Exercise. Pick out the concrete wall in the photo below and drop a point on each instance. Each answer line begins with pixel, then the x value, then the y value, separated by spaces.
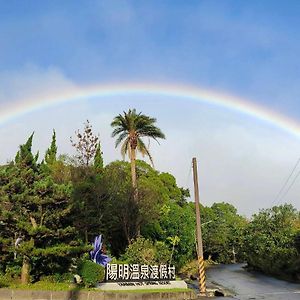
pixel 17 294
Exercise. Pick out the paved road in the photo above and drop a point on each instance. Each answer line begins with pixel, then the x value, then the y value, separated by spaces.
pixel 251 285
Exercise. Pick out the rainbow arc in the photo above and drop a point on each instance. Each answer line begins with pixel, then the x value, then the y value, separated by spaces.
pixel 191 93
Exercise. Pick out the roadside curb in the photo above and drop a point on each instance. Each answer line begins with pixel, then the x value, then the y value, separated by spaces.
pixel 19 294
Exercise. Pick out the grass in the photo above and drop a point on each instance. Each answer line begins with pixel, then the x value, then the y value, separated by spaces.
pixel 147 291
pixel 45 286
pixel 65 286
pixel 49 286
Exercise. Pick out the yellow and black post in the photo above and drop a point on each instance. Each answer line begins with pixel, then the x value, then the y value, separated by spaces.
pixel 202 280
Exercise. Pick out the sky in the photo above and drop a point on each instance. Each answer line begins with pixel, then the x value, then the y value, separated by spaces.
pixel 247 49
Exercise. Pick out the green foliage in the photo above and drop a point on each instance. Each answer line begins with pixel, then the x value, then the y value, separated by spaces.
pixel 58 206
pixel 50 156
pixel 91 273
pixel 12 271
pixel 130 128
pixel 297 241
pixel 24 156
pixel 190 269
pixel 5 281
pixel 163 254
pixel 88 202
pixel 36 209
pixel 140 251
pixel 178 221
pixel 11 275
pixel 98 160
pixel 270 241
pixel 44 285
pixel 144 251
pixel 223 233
pixel 57 277
pixel 124 214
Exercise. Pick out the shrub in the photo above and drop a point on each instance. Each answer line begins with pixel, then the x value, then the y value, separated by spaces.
pixel 91 273
pixel 143 251
pixel 13 271
pixel 55 278
pixel 4 281
pixel 271 242
pixel 162 253
pixel 190 269
pixel 140 251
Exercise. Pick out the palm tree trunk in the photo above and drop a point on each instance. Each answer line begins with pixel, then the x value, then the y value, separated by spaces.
pixel 133 174
pixel 134 186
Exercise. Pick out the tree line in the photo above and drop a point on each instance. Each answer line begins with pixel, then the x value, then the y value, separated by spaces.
pixel 52 207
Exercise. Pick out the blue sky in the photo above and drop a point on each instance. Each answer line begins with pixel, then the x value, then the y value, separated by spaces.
pixel 245 48
pixel 248 47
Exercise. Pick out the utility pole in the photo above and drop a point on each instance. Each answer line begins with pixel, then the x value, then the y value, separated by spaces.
pixel 202 283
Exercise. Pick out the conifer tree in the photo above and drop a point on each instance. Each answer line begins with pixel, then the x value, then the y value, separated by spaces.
pixel 24 155
pixel 50 156
pixel 36 211
pixel 98 159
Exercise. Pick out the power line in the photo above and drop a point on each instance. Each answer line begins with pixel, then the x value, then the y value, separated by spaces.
pixel 290 186
pixel 286 182
pixel 189 175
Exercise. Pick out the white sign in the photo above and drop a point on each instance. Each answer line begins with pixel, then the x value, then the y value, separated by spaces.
pixel 136 272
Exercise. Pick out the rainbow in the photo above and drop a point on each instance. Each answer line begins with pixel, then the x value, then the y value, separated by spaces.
pixel 24 106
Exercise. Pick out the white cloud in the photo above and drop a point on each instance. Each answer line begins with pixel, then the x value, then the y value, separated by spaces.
pixel 31 82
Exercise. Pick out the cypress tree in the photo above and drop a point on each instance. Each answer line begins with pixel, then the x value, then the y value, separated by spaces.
pixel 24 155
pixel 37 211
pixel 50 156
pixel 98 159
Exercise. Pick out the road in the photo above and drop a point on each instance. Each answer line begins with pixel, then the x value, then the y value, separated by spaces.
pixel 252 285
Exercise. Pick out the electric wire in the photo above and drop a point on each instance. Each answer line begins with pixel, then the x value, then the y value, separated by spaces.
pixel 279 194
pixel 290 186
pixel 189 175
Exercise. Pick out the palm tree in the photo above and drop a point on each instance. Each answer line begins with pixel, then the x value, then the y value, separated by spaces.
pixel 130 129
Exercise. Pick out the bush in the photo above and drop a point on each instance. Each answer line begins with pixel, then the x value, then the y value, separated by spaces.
pixel 143 251
pixel 13 271
pixel 140 251
pixel 57 278
pixel 4 281
pixel 11 276
pixel 190 269
pixel 91 273
pixel 162 253
pixel 271 242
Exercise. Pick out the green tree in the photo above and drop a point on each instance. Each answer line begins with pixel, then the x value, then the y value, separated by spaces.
pixel 144 251
pixel 24 156
pixel 51 153
pixel 98 160
pixel 88 202
pixel 223 232
pixel 35 209
pixel 86 175
pixel 177 227
pixel 126 215
pixel 270 241
pixel 130 128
